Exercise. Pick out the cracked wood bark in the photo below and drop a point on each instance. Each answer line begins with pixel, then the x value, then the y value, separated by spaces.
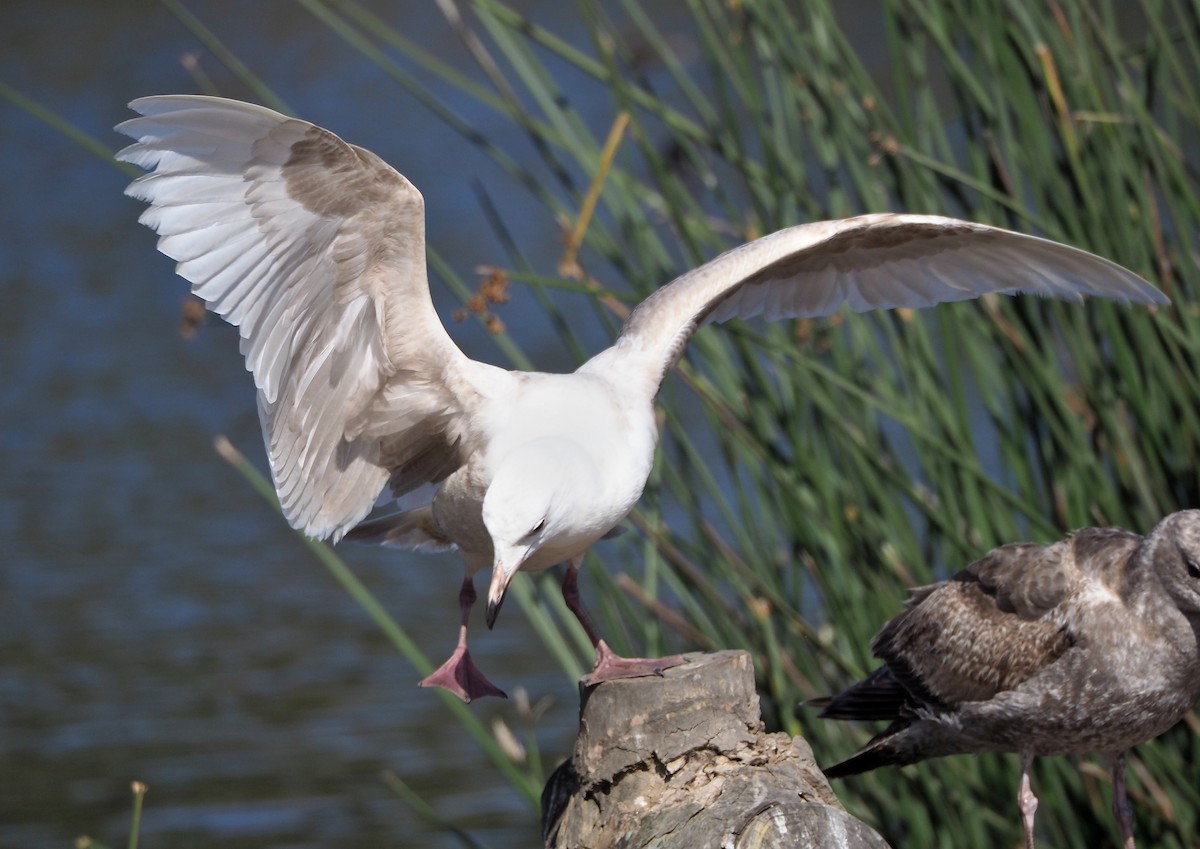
pixel 682 762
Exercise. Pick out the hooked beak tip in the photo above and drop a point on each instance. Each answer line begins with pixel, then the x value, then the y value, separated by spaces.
pixel 501 577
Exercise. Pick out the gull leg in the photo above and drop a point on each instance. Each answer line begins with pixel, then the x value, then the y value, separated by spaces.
pixel 609 664
pixel 1026 801
pixel 459 674
pixel 1120 803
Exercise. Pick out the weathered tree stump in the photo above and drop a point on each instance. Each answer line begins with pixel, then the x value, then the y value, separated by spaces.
pixel 682 761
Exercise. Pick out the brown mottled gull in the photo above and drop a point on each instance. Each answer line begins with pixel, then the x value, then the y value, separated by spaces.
pixel 315 249
pixel 1091 644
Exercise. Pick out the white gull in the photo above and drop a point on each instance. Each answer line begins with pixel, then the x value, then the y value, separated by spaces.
pixel 315 250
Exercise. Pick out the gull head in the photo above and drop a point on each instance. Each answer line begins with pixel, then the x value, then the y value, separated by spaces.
pixel 1176 552
pixel 540 510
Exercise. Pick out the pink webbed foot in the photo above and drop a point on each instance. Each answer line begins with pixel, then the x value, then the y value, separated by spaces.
pixel 462 677
pixel 610 665
pixel 459 674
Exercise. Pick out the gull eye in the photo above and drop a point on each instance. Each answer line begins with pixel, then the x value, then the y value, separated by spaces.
pixel 1193 568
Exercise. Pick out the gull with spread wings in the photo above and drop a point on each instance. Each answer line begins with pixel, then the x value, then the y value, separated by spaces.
pixel 315 250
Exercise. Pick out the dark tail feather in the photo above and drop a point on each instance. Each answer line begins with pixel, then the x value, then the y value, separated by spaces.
pixel 865 761
pixel 879 752
pixel 879 696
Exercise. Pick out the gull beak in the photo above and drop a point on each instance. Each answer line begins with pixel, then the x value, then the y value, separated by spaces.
pixel 499 586
pixel 507 561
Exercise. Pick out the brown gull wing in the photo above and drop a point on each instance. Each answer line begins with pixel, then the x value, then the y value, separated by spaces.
pixel 985 630
pixel 1000 621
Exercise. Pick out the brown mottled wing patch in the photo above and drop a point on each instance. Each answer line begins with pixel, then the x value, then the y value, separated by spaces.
pixel 870 262
pixel 315 250
pixel 1025 579
pixel 1102 554
pixel 987 629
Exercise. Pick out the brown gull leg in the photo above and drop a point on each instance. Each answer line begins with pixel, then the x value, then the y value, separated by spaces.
pixel 609 664
pixel 1120 803
pixel 1026 801
pixel 459 674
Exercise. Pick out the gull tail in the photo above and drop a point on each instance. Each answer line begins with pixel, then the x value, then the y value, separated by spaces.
pixel 879 696
pixel 412 529
pixel 891 748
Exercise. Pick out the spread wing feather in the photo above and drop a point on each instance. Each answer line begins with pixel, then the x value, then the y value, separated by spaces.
pixel 870 262
pixel 315 250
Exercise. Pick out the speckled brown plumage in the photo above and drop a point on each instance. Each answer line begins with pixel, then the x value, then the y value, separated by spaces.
pixel 1090 644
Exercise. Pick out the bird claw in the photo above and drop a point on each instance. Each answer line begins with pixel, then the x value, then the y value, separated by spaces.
pixel 461 677
pixel 610 666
